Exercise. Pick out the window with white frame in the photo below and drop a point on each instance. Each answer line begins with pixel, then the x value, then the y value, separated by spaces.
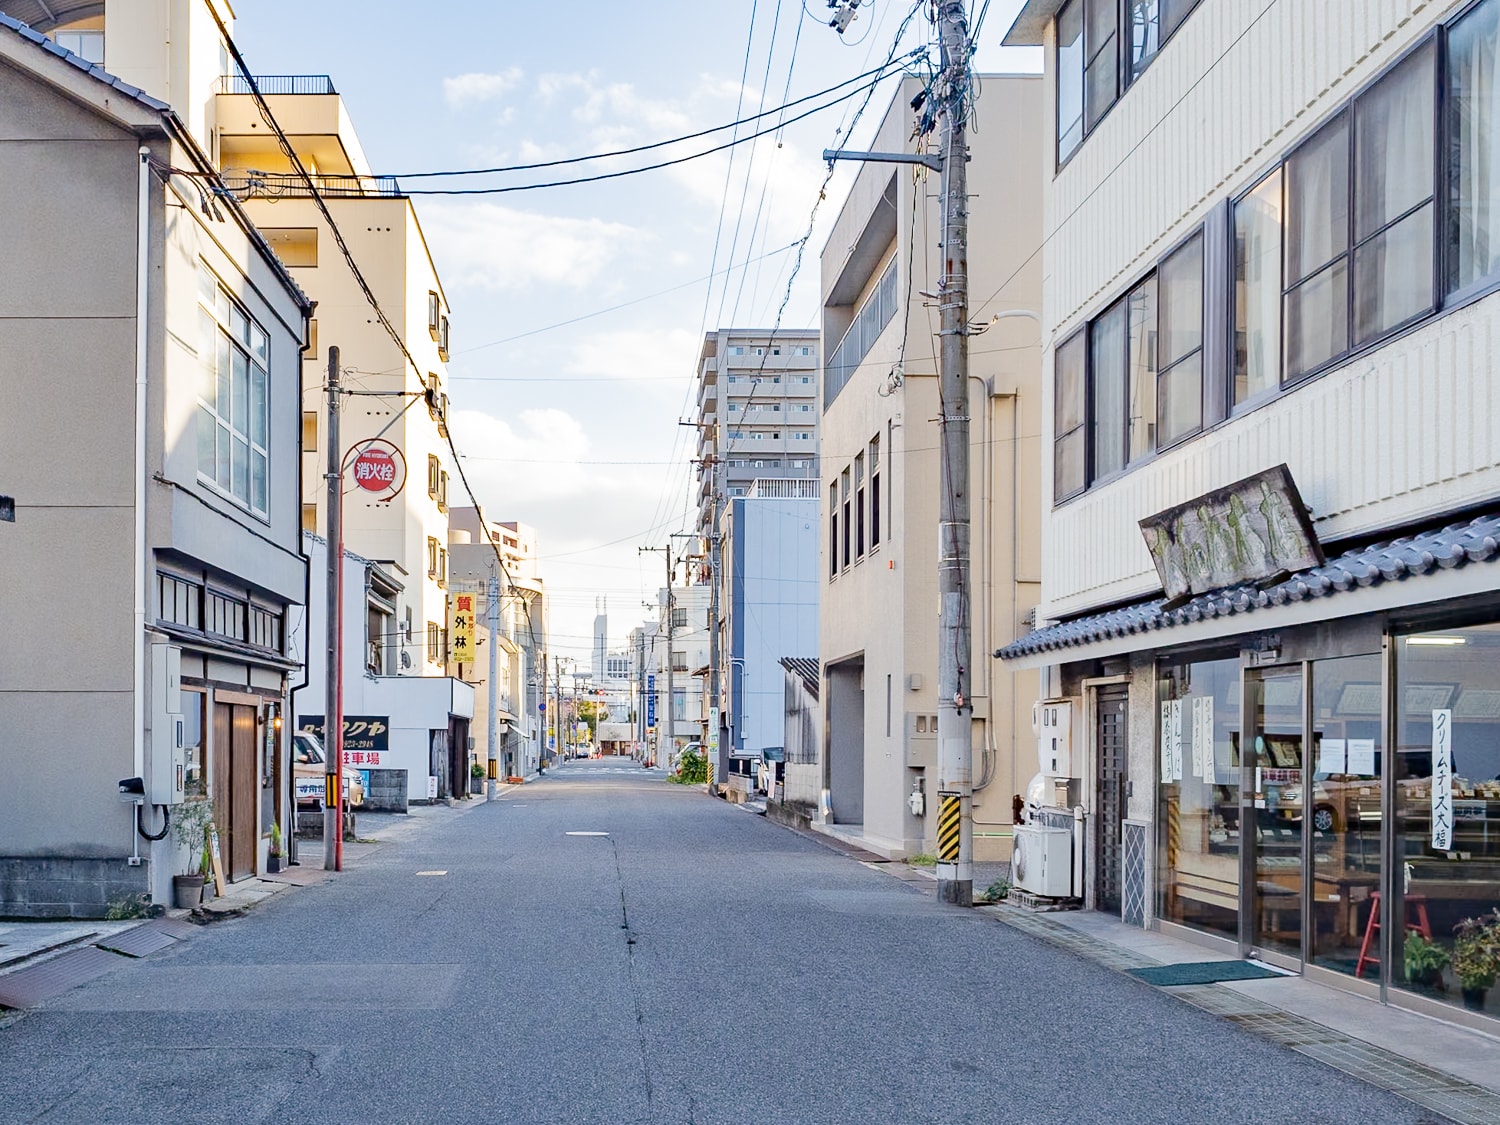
pixel 233 398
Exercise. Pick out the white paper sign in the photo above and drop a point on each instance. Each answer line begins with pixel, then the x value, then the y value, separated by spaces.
pixel 1442 780
pixel 1176 739
pixel 1203 735
pixel 1362 756
pixel 1166 741
pixel 1332 756
pixel 431 788
pixel 1195 735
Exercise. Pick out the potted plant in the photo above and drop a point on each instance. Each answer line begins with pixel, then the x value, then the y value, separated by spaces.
pixel 476 778
pixel 1476 957
pixel 273 850
pixel 1425 961
pixel 190 827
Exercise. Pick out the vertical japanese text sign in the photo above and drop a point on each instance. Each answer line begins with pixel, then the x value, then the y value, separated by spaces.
pixel 1442 780
pixel 462 645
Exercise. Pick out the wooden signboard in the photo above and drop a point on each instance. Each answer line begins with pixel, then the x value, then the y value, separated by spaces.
pixel 217 860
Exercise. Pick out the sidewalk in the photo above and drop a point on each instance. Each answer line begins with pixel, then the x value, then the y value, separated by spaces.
pixel 1442 1066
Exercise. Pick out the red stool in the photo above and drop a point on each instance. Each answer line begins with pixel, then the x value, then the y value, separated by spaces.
pixel 1416 922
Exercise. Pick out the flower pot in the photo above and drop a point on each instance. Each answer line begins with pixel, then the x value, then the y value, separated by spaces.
pixel 187 891
pixel 1474 999
pixel 273 864
pixel 476 785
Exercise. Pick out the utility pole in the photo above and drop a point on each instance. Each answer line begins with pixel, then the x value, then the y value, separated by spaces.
pixel 955 828
pixel 955 868
pixel 670 720
pixel 715 683
pixel 492 709
pixel 333 718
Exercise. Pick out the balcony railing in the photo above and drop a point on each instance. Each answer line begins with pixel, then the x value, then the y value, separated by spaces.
pixel 247 184
pixel 780 488
pixel 866 328
pixel 278 84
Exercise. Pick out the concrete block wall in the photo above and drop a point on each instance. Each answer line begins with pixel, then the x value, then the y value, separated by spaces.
pixel 66 888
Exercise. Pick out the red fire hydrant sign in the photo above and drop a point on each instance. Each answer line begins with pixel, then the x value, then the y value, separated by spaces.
pixel 377 467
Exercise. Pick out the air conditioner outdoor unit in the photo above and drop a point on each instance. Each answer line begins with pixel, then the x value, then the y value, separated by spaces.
pixel 1043 860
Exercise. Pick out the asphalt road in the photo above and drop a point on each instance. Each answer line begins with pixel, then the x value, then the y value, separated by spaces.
pixel 694 964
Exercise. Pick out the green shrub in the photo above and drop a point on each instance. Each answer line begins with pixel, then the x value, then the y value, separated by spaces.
pixel 128 906
pixel 692 769
pixel 922 859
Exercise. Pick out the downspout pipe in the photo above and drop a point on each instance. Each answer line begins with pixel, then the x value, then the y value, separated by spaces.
pixel 142 360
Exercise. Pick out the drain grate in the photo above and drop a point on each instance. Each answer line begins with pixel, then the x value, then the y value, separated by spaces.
pixel 138 942
pixel 26 988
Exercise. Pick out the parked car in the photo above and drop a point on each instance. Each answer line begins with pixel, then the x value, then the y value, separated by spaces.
pixel 309 767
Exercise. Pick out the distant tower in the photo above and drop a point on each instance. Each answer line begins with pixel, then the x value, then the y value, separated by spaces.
pixel 601 637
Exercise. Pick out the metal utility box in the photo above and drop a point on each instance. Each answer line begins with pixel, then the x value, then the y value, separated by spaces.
pixel 167 775
pixel 1043 860
pixel 1054 731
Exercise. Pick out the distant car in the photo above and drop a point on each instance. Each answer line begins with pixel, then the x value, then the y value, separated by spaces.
pixel 310 769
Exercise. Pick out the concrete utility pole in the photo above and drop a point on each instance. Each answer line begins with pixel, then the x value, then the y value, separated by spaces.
pixel 955 868
pixel 715 548
pixel 492 612
pixel 955 834
pixel 333 717
pixel 669 720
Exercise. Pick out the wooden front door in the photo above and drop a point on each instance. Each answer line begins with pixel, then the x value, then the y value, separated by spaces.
pixel 236 779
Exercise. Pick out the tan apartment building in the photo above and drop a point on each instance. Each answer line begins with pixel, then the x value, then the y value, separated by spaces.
pixel 174 50
pixel 879 476
pixel 1273 494
pixel 151 346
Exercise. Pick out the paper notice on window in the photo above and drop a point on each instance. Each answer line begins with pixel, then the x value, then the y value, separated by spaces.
pixel 1442 780
pixel 1203 737
pixel 1171 740
pixel 1195 735
pixel 1333 756
pixel 1362 756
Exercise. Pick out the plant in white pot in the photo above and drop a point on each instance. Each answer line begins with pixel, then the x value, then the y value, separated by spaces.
pixel 190 823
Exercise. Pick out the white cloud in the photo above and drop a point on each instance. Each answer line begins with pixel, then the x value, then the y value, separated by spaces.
pixel 637 353
pixel 491 246
pixel 512 464
pixel 463 89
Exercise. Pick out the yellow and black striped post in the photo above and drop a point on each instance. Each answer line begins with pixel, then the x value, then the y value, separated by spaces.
pixel 950 820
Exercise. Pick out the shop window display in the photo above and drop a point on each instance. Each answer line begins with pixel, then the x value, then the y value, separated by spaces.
pixel 1200 795
pixel 1447 830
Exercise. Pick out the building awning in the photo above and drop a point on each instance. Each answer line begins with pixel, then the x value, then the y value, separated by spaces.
pixel 1030 24
pixel 1359 581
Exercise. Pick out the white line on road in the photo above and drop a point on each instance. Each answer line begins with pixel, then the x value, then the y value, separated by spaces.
pixel 586 833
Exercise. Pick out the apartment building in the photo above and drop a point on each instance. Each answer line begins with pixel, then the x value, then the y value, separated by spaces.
pixel 681 646
pixel 1274 483
pixel 152 347
pixel 879 475
pixel 521 638
pixel 757 412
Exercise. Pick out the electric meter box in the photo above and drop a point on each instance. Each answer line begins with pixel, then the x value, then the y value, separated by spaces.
pixel 1054 731
pixel 167 775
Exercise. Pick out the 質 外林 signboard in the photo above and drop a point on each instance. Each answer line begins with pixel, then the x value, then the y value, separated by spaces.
pixel 366 737
pixel 461 642
pixel 1256 530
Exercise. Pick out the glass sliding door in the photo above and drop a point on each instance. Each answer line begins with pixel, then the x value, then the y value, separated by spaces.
pixel 1199 795
pixel 1274 777
pixel 1344 815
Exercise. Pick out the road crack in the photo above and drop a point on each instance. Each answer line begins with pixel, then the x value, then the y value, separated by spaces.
pixel 635 988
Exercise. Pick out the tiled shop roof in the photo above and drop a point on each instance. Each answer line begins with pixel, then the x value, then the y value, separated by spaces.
pixel 134 92
pixel 805 667
pixel 1452 546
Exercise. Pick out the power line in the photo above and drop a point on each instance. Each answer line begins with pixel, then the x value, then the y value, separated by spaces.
pixel 601 176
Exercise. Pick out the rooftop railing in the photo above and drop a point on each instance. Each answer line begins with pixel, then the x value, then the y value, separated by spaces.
pixel 287 185
pixel 278 84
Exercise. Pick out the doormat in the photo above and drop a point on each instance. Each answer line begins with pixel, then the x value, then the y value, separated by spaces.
pixel 1203 972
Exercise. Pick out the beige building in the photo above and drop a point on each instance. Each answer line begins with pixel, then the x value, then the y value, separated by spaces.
pixel 151 343
pixel 1269 324
pixel 879 475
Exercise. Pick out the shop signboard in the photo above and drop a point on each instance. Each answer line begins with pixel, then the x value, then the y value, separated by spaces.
pixel 366 737
pixel 1442 780
pixel 461 643
pixel 1256 530
pixel 650 701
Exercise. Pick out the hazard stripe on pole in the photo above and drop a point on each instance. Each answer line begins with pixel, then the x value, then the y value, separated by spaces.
pixel 330 789
pixel 950 817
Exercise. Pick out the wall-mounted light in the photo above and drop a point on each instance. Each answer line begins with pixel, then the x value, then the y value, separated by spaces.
pixel 1435 641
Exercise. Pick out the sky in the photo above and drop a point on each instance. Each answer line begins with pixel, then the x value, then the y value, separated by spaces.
pixel 578 311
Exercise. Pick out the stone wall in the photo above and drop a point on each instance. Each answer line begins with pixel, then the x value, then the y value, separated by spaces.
pixel 387 792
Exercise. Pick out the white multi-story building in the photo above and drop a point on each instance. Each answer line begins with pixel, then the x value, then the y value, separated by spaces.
pixel 1271 264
